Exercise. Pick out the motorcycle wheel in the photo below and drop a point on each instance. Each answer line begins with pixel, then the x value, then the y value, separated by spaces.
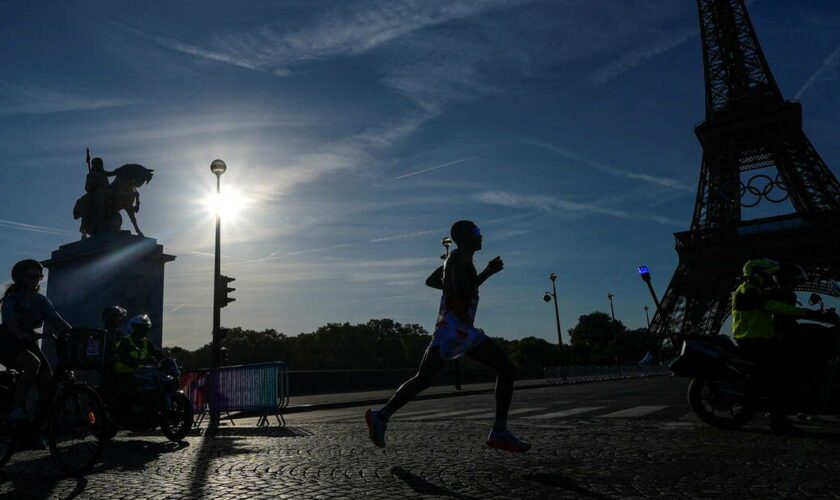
pixel 178 420
pixel 709 401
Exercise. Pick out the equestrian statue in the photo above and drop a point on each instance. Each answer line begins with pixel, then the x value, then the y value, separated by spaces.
pixel 99 208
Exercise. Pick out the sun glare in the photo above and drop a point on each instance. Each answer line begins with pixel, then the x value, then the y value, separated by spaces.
pixel 229 204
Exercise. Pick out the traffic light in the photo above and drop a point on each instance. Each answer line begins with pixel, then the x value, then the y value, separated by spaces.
pixel 224 289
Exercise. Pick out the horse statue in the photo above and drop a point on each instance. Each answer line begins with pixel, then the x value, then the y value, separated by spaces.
pixel 100 212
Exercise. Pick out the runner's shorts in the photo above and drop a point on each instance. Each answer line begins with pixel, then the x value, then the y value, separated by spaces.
pixel 454 337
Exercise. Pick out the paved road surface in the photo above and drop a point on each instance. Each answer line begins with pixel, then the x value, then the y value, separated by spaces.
pixel 622 439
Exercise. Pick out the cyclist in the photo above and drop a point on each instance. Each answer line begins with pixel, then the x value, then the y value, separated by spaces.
pixel 24 310
pixel 456 335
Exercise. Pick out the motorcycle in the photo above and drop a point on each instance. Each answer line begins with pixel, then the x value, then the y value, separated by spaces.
pixel 728 386
pixel 156 401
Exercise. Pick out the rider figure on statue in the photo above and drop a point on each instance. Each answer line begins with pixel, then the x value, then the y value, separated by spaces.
pixel 96 186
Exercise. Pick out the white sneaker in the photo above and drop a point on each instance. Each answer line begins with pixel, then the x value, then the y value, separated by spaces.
pixel 18 415
pixel 376 427
pixel 505 440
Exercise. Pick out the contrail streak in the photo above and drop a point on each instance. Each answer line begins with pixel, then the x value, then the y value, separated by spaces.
pixel 462 160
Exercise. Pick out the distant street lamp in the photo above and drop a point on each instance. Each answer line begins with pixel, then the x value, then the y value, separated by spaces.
pixel 547 298
pixel 615 327
pixel 456 372
pixel 446 242
pixel 647 317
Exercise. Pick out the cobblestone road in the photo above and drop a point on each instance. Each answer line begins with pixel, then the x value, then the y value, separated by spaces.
pixel 584 458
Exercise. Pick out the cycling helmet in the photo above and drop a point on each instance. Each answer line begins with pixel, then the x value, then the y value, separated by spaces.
pixel 22 267
pixel 141 320
pixel 113 314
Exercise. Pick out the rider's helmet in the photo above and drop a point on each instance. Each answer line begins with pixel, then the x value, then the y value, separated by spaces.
pixel 24 267
pixel 762 271
pixel 140 325
pixel 113 315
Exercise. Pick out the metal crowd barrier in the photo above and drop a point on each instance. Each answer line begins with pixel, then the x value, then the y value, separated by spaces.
pixel 262 388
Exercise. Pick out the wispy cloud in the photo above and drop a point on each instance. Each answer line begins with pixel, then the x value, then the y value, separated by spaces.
pixel 442 165
pixel 20 226
pixel 827 72
pixel 666 182
pixel 562 207
pixel 17 98
pixel 639 56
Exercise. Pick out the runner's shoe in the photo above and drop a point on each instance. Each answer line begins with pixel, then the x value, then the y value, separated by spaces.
pixel 376 427
pixel 505 440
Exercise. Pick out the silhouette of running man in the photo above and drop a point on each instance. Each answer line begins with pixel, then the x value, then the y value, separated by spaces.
pixel 456 335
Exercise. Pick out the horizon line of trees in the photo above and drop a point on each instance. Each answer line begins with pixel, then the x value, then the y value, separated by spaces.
pixel 385 344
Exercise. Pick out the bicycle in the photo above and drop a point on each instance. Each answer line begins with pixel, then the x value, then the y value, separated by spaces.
pixel 71 413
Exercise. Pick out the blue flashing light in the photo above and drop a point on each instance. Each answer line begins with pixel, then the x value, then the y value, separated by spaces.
pixel 644 270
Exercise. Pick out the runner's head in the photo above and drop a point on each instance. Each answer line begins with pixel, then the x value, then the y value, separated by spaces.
pixel 466 235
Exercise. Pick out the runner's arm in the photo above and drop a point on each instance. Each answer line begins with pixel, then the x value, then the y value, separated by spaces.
pixel 435 280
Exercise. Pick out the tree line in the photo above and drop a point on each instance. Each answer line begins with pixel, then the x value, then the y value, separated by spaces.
pixel 387 344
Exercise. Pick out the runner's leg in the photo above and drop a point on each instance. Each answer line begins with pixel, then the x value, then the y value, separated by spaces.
pixel 430 366
pixel 489 353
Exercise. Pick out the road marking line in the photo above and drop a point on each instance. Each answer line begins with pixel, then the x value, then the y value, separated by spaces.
pixel 447 414
pixel 511 412
pixel 567 413
pixel 636 411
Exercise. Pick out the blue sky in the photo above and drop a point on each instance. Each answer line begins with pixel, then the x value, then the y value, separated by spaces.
pixel 359 131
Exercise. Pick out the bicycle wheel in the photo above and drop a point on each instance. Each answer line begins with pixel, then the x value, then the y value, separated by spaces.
pixel 75 423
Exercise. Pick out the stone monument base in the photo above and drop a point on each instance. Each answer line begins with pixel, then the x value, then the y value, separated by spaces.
pixel 89 275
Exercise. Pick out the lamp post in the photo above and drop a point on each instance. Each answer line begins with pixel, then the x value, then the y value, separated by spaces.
pixel 644 273
pixel 456 371
pixel 615 328
pixel 218 167
pixel 647 317
pixel 547 298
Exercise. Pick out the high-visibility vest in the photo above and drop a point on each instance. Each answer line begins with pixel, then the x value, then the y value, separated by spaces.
pixel 136 353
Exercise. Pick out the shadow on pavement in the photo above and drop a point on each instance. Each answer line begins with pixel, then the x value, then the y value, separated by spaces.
pixel 424 487
pixel 261 432
pixel 210 448
pixel 559 481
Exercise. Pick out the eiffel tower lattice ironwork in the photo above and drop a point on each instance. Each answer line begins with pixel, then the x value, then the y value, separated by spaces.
pixel 754 152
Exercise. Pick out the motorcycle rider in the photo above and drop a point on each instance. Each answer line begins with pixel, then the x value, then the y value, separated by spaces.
pixel 764 320
pixel 25 310
pixel 134 351
pixel 112 317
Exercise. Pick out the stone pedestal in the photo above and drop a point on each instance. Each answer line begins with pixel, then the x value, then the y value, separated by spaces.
pixel 122 269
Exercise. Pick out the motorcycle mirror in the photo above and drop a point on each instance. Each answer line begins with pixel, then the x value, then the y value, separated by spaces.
pixel 815 299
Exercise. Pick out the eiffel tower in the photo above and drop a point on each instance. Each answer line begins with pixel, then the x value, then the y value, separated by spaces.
pixel 754 152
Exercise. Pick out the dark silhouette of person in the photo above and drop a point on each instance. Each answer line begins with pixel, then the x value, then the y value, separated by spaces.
pixel 24 311
pixel 456 335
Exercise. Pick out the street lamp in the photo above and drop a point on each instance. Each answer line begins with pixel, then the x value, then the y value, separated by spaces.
pixel 547 298
pixel 446 242
pixel 615 327
pixel 456 371
pixel 647 317
pixel 218 167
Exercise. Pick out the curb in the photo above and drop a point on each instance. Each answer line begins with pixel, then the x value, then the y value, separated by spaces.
pixel 470 392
